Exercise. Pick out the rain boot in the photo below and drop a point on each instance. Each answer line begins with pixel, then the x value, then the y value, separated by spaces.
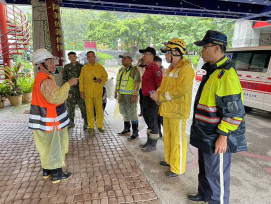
pixel 85 126
pixel 148 139
pixel 126 129
pixel 135 132
pixel 141 111
pixel 58 175
pixel 152 143
pixel 46 173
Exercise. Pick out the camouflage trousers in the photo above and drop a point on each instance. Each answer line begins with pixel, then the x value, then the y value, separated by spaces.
pixel 71 102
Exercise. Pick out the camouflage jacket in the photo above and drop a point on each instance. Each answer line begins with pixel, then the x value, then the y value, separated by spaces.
pixel 69 72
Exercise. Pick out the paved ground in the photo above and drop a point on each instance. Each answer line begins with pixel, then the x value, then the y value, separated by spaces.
pixel 250 171
pixel 109 169
pixel 104 171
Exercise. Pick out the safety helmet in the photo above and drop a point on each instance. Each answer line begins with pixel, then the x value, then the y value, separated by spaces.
pixel 41 55
pixel 175 44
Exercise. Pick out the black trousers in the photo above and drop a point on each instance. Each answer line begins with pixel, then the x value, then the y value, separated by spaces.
pixel 160 123
pixel 150 114
pixel 141 101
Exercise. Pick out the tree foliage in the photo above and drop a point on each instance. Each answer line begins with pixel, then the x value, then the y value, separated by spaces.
pixel 136 31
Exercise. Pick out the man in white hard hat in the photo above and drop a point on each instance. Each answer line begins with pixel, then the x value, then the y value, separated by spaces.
pixel 49 118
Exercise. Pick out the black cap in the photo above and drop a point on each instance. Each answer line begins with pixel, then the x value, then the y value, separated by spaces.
pixel 213 37
pixel 148 49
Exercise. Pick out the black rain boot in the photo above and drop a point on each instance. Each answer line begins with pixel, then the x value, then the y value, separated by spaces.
pixel 126 129
pixel 152 144
pixel 46 173
pixel 135 132
pixel 58 175
pixel 141 111
pixel 148 139
pixel 85 126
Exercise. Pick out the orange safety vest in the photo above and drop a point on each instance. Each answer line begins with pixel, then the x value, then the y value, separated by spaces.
pixel 44 115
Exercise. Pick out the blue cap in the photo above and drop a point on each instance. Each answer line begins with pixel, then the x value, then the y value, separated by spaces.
pixel 214 37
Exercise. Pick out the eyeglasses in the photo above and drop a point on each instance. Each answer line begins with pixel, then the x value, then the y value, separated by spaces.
pixel 205 47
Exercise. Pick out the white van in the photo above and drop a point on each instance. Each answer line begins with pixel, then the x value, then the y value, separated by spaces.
pixel 253 66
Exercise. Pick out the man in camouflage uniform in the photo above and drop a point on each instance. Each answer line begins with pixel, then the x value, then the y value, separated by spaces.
pixel 127 87
pixel 72 70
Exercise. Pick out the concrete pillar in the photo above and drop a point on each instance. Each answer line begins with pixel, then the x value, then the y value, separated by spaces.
pixel 41 34
pixel 245 35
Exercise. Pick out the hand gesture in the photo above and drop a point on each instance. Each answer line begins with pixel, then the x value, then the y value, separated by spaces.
pixel 154 96
pixel 82 95
pixel 73 81
pixel 98 80
pixel 133 99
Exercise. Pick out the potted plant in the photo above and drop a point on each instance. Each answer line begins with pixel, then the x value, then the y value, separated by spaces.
pixel 26 83
pixel 4 89
pixel 15 92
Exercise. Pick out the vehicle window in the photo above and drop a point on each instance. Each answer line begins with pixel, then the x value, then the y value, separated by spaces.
pixel 242 61
pixel 252 61
pixel 258 63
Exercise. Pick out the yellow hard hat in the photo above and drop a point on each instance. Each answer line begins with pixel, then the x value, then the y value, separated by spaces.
pixel 175 44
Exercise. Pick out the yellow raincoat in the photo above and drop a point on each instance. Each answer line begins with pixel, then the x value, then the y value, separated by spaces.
pixel 175 94
pixel 93 92
pixel 52 146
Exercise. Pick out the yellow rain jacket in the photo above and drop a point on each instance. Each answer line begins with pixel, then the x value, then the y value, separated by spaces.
pixel 53 146
pixel 86 82
pixel 175 92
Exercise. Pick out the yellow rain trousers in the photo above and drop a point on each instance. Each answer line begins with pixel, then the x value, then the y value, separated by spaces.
pixel 52 146
pixel 174 147
pixel 90 104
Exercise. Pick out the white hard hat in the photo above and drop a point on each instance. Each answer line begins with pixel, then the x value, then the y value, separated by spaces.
pixel 40 55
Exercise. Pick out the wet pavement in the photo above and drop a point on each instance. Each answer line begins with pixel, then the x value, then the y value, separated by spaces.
pixel 109 169
pixel 104 171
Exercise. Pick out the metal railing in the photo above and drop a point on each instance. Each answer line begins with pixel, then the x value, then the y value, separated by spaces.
pixel 18 35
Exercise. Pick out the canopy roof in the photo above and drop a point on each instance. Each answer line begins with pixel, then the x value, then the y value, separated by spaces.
pixel 234 9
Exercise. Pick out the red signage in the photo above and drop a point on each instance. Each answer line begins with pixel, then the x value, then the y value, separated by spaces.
pixel 53 13
pixel 260 24
pixel 90 45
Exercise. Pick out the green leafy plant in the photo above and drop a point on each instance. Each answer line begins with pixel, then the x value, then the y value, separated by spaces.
pixel 12 75
pixel 101 57
pixel 26 83
pixel 4 89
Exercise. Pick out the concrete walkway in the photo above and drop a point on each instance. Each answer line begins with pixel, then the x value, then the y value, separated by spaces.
pixel 108 169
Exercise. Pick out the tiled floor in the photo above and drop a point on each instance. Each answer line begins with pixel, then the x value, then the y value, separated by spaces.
pixel 103 170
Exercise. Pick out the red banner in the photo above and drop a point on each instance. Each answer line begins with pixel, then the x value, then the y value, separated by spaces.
pixel 53 13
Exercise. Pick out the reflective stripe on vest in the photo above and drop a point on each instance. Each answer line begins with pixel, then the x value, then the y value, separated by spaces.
pixel 125 83
pixel 42 119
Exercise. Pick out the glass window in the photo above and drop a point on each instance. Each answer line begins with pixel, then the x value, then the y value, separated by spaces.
pixel 258 63
pixel 242 61
pixel 252 61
